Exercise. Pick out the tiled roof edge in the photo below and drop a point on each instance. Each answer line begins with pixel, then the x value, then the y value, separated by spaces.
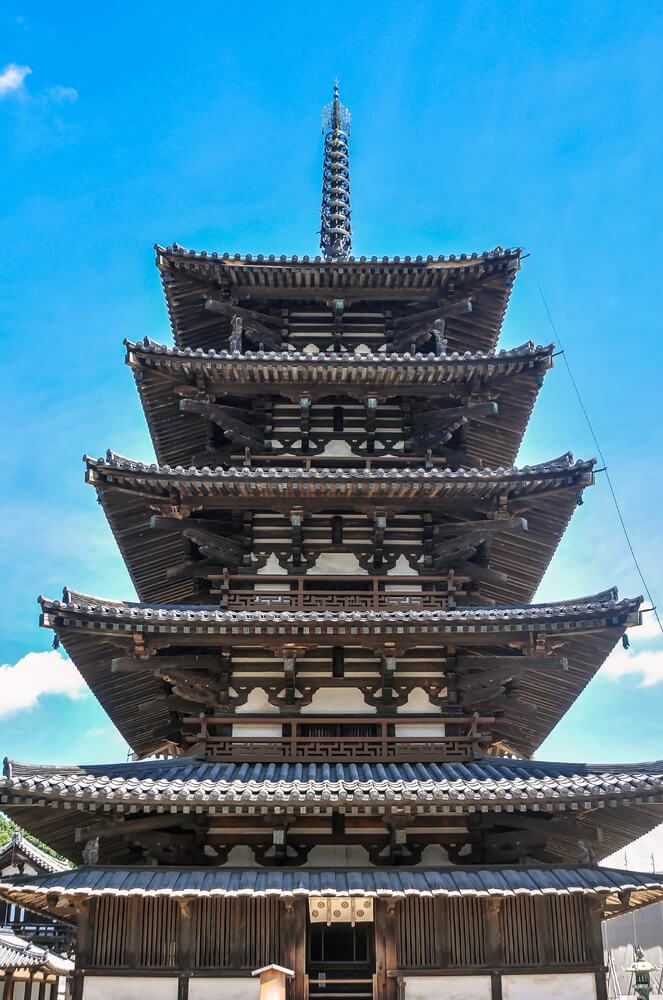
pixel 564 463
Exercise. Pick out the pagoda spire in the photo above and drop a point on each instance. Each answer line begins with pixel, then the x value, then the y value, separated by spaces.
pixel 335 231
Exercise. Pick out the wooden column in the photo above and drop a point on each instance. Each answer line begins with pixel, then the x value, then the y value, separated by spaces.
pixel 496 985
pixel 385 949
pixel 77 985
pixel 183 988
pixel 27 992
pixel 493 940
pixel 8 987
pixel 84 924
pixel 594 918
pixel 41 995
pixel 185 936
pixel 294 955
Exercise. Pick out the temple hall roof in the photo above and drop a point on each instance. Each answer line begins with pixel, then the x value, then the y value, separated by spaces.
pixel 19 849
pixel 17 955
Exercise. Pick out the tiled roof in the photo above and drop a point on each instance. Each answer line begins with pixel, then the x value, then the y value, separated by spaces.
pixel 497 253
pixel 391 882
pixel 16 953
pixel 563 466
pixel 604 605
pixel 449 365
pixel 490 781
pixel 20 848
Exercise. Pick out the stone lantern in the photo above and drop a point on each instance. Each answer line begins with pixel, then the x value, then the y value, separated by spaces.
pixel 642 970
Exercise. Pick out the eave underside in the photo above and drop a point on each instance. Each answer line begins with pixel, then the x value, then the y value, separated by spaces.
pixel 130 499
pixel 584 636
pixel 181 438
pixel 190 279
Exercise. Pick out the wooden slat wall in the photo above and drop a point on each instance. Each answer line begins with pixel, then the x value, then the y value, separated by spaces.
pixel 520 933
pixel 452 933
pixel 110 933
pixel 570 930
pixel 467 939
pixel 158 927
pixel 227 933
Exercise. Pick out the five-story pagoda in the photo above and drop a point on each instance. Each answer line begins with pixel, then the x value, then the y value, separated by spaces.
pixel 333 680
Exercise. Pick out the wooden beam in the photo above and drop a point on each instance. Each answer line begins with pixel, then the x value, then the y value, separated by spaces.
pixel 236 430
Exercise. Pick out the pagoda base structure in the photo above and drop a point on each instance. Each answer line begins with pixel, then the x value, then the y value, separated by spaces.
pixel 498 933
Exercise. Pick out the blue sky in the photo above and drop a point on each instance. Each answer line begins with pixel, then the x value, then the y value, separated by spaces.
pixel 522 124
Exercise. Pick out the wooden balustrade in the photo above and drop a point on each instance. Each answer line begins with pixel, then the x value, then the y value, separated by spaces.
pixel 464 743
pixel 334 600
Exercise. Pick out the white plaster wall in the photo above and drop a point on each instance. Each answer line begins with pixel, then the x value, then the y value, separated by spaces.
pixel 434 856
pixel 338 701
pixel 330 856
pixel 337 449
pixel 272 568
pixel 257 704
pixel 402 568
pixel 224 989
pixel 258 730
pixel 429 729
pixel 19 991
pixel 418 702
pixel 129 988
pixel 337 564
pixel 551 986
pixel 448 988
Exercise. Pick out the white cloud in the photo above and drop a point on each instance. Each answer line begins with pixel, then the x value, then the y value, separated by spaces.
pixel 645 657
pixel 12 78
pixel 22 684
pixel 62 95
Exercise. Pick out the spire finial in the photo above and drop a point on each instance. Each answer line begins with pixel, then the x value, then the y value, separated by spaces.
pixel 335 231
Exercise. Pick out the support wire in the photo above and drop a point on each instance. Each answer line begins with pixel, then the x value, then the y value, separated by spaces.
pixel 599 452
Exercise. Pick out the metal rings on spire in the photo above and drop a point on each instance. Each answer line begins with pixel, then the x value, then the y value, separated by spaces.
pixel 335 230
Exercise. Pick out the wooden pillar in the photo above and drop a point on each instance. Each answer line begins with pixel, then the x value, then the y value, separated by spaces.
pixel 492 928
pixel 8 987
pixel 84 936
pixel 42 990
pixel 27 992
pixel 135 910
pixel 183 988
pixel 77 985
pixel 601 985
pixel 441 931
pixel 298 922
pixel 185 942
pixel 385 949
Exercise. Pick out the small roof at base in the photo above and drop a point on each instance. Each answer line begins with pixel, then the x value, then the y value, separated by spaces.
pixel 17 954
pixel 619 888
pixel 19 849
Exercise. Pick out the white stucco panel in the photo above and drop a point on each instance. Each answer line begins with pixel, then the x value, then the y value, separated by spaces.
pixel 129 988
pixel 551 986
pixel 224 989
pixel 448 988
